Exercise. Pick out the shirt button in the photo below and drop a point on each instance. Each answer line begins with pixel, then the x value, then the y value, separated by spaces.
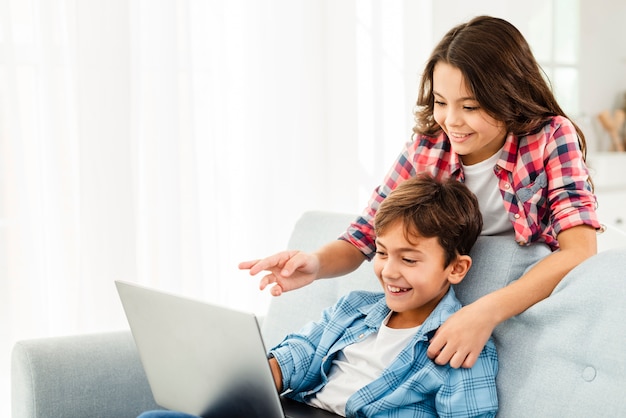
pixel 516 216
pixel 507 186
pixel 361 336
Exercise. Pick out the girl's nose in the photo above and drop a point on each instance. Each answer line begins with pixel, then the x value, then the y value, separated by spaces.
pixel 453 117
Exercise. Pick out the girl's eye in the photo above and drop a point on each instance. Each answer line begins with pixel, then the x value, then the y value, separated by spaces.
pixel 409 261
pixel 470 108
pixel 439 103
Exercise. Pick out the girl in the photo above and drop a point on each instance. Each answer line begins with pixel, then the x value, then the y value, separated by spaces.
pixel 486 116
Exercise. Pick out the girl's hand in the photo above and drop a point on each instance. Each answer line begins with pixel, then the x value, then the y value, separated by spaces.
pixel 289 270
pixel 462 337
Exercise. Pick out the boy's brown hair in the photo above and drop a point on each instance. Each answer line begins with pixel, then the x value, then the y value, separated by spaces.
pixel 430 208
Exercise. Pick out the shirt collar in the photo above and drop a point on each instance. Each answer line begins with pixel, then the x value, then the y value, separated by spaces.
pixel 376 313
pixel 508 156
pixel 507 160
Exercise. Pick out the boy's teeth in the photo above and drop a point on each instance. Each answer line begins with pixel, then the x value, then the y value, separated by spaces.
pixel 394 289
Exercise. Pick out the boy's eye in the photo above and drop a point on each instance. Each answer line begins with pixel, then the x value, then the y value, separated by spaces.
pixel 409 261
pixel 380 253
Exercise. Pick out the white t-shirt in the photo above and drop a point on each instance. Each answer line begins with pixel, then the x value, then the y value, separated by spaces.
pixel 481 180
pixel 359 364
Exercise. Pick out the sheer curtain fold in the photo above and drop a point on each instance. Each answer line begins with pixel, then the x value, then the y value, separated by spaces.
pixel 164 141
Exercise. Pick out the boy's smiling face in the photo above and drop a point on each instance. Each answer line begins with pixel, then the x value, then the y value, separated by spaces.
pixel 413 275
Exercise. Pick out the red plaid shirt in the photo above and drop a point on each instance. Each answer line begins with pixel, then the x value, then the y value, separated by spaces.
pixel 543 180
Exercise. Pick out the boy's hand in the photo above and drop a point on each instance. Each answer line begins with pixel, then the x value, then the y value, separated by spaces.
pixel 462 337
pixel 277 373
pixel 288 269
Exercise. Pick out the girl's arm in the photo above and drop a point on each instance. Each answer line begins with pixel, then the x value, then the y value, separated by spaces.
pixel 461 338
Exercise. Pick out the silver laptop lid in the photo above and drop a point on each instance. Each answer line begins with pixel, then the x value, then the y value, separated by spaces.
pixel 200 358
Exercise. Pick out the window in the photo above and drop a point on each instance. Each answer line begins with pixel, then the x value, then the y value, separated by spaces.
pixel 554 33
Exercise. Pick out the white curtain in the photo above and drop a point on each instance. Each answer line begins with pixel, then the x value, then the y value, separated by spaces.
pixel 163 141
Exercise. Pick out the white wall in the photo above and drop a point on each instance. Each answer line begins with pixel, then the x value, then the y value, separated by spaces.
pixel 603 63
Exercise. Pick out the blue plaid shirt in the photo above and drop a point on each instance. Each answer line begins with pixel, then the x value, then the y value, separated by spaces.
pixel 412 386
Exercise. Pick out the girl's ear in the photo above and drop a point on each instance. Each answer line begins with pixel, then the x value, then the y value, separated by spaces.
pixel 460 267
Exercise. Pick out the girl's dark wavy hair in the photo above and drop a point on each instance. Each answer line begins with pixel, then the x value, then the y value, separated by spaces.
pixel 501 73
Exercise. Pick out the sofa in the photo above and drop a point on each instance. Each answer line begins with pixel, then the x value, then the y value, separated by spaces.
pixel 563 357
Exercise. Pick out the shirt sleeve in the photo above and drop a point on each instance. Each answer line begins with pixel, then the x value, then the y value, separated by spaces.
pixel 296 353
pixel 471 392
pixel 301 355
pixel 571 199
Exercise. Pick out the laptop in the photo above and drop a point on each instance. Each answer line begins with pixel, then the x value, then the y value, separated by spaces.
pixel 205 359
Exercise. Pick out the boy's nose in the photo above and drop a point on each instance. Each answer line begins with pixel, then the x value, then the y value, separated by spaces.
pixel 390 271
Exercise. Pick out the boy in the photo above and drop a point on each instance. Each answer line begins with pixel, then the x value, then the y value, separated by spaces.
pixel 366 356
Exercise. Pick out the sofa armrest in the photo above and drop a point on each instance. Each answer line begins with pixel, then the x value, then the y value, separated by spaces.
pixel 79 376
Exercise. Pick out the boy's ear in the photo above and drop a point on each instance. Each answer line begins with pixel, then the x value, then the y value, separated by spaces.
pixel 460 267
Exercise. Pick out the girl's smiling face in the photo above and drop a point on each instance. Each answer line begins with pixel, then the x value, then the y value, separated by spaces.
pixel 474 135
pixel 413 275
